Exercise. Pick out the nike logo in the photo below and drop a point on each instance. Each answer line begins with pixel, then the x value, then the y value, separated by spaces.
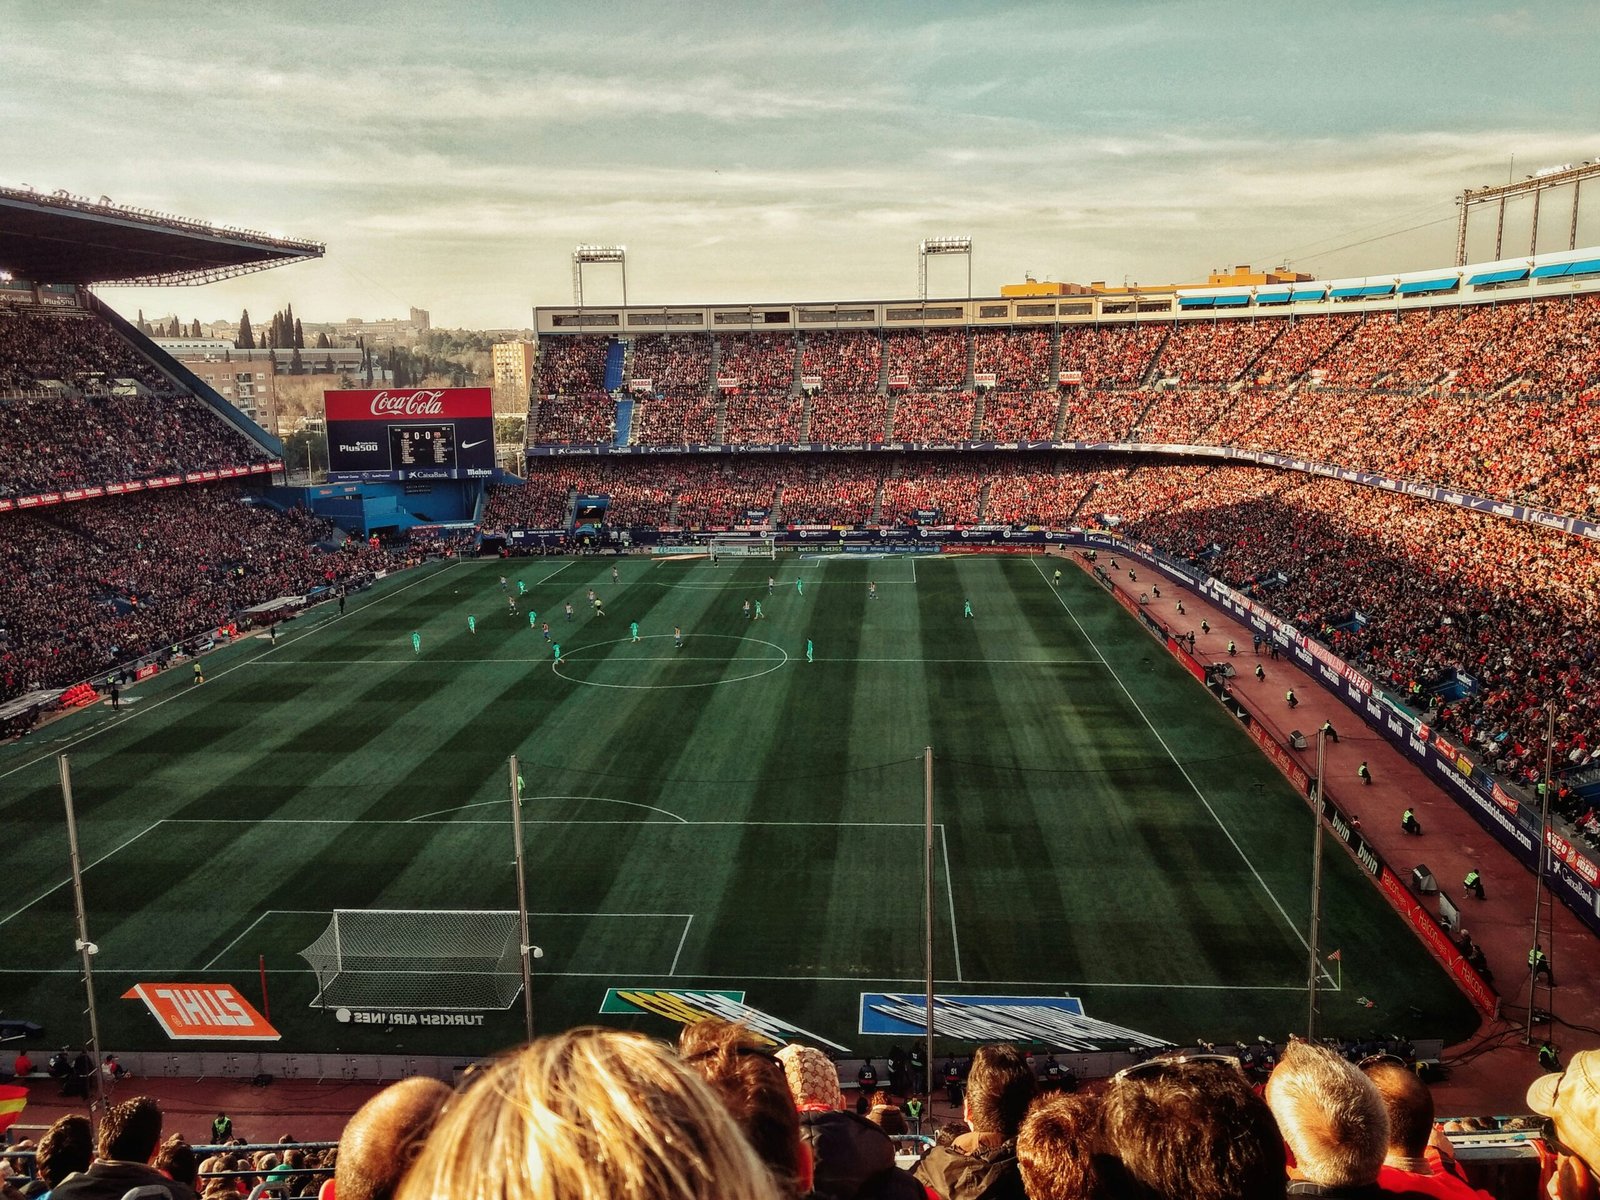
pixel 470 445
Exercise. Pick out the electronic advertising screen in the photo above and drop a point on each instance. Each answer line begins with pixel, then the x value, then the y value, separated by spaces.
pixel 410 433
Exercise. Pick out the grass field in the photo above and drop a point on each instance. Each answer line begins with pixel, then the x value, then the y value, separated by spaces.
pixel 725 815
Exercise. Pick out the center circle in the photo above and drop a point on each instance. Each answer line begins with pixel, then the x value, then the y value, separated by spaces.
pixel 774 664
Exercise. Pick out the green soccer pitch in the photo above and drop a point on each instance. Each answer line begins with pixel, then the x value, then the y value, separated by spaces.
pixel 720 815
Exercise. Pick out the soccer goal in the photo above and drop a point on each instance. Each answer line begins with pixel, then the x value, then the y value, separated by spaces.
pixel 406 959
pixel 743 547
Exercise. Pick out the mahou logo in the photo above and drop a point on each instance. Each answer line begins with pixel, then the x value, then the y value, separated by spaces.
pixel 408 404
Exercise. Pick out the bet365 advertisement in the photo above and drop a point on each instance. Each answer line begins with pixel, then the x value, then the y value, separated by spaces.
pixel 410 433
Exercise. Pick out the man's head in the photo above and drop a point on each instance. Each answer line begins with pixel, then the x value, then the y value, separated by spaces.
pixel 1192 1130
pixel 743 1070
pixel 67 1146
pixel 131 1131
pixel 1409 1104
pixel 176 1160
pixel 1572 1100
pixel 381 1140
pixel 813 1079
pixel 1000 1087
pixel 1331 1116
pixel 1057 1150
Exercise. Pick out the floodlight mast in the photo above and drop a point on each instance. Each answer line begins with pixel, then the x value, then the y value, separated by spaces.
pixel 1536 185
pixel 942 245
pixel 597 255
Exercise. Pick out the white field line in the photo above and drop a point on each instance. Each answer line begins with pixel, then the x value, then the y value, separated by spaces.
pixel 688 921
pixel 86 870
pixel 1228 833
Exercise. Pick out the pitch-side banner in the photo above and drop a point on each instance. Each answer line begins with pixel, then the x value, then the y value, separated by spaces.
pixel 203 1011
pixel 410 433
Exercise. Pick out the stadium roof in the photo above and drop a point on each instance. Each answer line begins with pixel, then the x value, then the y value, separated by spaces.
pixel 61 238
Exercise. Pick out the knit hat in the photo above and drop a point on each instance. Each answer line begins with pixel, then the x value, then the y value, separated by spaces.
pixel 1572 1100
pixel 813 1079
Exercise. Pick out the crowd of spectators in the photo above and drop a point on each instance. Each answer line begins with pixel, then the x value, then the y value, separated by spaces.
pixel 572 365
pixel 1498 400
pixel 599 1112
pixel 582 419
pixel 85 587
pixel 79 406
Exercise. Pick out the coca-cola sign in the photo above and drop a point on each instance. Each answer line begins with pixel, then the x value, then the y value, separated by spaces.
pixel 420 403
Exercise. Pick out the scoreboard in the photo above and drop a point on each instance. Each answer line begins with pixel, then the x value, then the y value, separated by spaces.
pixel 410 433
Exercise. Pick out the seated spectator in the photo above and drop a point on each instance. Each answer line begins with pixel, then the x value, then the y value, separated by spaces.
pixel 384 1136
pixel 1571 1100
pixel 1413 1164
pixel 1191 1130
pixel 176 1160
pixel 588 1113
pixel 129 1135
pixel 1332 1120
pixel 745 1073
pixel 850 1156
pixel 983 1162
pixel 1058 1151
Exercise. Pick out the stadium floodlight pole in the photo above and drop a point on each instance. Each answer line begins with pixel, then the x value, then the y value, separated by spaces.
pixel 927 903
pixel 85 948
pixel 1544 865
pixel 1316 890
pixel 942 245
pixel 524 949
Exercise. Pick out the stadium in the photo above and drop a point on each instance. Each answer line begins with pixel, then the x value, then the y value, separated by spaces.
pixel 860 671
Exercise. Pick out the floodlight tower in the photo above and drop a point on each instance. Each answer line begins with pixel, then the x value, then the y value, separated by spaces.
pixel 942 245
pixel 597 255
pixel 1535 185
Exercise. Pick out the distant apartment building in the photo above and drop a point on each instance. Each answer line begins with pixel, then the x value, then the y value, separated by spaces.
pixel 513 368
pixel 247 379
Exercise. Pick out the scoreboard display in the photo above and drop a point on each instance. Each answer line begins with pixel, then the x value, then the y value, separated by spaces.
pixel 410 433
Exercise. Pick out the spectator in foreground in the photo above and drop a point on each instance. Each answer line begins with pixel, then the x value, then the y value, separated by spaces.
pixel 850 1155
pixel 983 1162
pixel 1181 1129
pixel 385 1136
pixel 1333 1122
pixel 66 1148
pixel 175 1159
pixel 590 1112
pixel 1572 1102
pixel 130 1132
pixel 1413 1163
pixel 1057 1150
pixel 745 1073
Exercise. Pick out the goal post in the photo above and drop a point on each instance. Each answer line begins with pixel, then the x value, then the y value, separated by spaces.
pixel 417 959
pixel 747 546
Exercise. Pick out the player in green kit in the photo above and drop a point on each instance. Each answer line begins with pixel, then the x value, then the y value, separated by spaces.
pixel 808 649
pixel 472 624
pixel 416 643
pixel 633 628
pixel 533 620
pixel 759 614
pixel 800 585
pixel 966 608
pixel 522 588
pixel 558 653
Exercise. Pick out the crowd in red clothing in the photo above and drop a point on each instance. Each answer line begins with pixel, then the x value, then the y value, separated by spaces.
pixel 86 586
pixel 79 406
pixel 1500 400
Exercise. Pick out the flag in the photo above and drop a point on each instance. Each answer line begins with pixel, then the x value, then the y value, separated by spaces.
pixel 1334 957
pixel 12 1101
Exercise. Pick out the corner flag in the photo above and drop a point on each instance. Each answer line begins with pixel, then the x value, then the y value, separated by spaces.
pixel 1335 956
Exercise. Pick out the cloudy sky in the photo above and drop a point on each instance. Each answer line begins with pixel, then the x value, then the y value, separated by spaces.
pixel 452 154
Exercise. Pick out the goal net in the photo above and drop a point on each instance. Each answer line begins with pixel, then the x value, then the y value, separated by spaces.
pixel 743 547
pixel 417 959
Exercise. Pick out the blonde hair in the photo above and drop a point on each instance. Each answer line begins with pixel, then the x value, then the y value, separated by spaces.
pixel 1331 1116
pixel 591 1114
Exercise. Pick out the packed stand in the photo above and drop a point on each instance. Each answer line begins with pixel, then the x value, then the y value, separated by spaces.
pixel 1112 356
pixel 930 359
pixel 949 485
pixel 844 360
pixel 1218 351
pixel 762 362
pixel 87 586
pixel 117 419
pixel 934 416
pixel 1011 416
pixel 848 417
pixel 1019 359
pixel 572 366
pixel 755 419
pixel 678 408
pixel 836 489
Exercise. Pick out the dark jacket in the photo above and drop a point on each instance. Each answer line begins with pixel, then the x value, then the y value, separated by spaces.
pixel 110 1180
pixel 965 1170
pixel 852 1158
